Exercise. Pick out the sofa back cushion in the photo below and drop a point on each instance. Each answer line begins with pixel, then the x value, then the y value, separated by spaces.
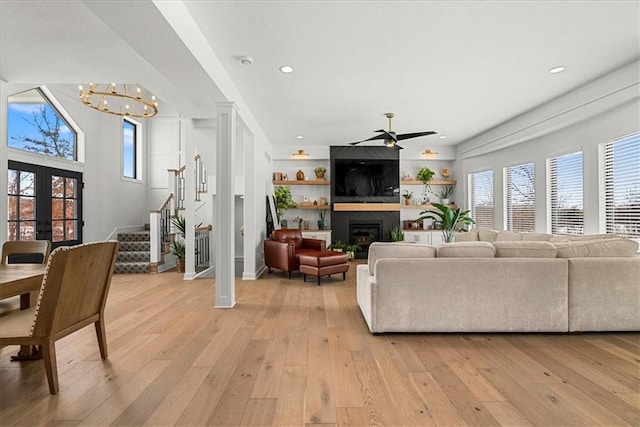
pixel 378 250
pixel 487 235
pixel 536 237
pixel 288 235
pixel 525 249
pixel 469 236
pixel 608 247
pixel 580 237
pixel 466 250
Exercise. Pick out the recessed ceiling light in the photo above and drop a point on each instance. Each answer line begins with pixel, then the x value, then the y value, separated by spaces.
pixel 556 70
pixel 287 69
pixel 443 136
pixel 246 60
pixel 299 137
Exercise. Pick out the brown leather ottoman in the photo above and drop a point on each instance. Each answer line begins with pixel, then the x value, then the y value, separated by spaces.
pixel 324 264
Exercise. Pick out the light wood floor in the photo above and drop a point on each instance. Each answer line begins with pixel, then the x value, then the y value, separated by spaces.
pixel 293 353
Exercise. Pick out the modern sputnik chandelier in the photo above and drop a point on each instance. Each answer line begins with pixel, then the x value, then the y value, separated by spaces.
pixel 107 98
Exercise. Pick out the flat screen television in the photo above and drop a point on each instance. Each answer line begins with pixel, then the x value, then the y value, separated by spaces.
pixel 366 181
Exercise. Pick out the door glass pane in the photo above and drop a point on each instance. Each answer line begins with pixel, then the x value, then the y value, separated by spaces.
pixel 57 209
pixel 70 209
pixel 12 182
pixel 70 232
pixel 27 230
pixel 27 183
pixel 57 232
pixel 12 231
pixel 70 189
pixel 27 208
pixel 13 208
pixel 57 186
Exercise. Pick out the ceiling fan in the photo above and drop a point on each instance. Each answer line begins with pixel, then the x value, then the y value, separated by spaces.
pixel 391 138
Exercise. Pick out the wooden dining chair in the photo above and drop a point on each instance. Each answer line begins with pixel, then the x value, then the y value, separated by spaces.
pixel 21 248
pixel 73 295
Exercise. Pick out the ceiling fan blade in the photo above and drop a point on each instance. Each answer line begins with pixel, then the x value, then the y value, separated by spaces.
pixel 381 136
pixel 414 135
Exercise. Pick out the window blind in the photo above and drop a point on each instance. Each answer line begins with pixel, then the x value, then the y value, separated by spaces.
pixel 481 199
pixel 621 201
pixel 566 194
pixel 520 198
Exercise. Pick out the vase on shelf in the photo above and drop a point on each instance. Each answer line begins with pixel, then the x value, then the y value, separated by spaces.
pixel 322 224
pixel 300 175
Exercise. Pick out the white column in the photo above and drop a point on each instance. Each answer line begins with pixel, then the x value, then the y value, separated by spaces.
pixel 225 206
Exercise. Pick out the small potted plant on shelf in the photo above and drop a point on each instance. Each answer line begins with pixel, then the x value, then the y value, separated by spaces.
pixel 322 222
pixel 408 195
pixel 283 200
pixel 445 194
pixel 320 171
pixel 450 220
pixel 425 175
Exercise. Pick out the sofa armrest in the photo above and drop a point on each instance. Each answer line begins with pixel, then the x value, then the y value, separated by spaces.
pixel 278 254
pixel 315 244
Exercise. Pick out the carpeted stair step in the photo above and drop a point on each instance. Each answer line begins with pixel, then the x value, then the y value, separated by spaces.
pixel 132 267
pixel 134 256
pixel 134 236
pixel 135 246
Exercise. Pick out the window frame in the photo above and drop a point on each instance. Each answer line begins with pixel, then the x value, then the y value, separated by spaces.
pixel 137 150
pixel 508 220
pixel 471 177
pixel 552 189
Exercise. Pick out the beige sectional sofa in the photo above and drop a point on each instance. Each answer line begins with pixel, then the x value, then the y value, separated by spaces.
pixel 491 281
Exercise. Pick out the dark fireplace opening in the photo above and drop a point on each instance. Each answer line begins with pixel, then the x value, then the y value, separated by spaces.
pixel 364 233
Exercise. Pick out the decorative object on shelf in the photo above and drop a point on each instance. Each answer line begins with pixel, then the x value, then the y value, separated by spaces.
pixel 390 138
pixel 445 173
pixel 300 175
pixel 285 177
pixel 425 175
pixel 445 194
pixel 396 235
pixel 299 221
pixel 322 222
pixel 406 176
pixel 283 223
pixel 428 154
pixel 450 220
pixel 124 102
pixel 283 200
pixel 418 201
pixel 305 201
pixel 277 176
pixel 320 171
pixel 408 195
pixel 323 201
pixel 301 154
pixel 306 224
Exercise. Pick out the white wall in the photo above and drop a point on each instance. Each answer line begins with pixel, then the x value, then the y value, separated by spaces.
pixel 109 201
pixel 605 109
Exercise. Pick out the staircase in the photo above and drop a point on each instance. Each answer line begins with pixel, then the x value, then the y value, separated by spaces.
pixel 134 255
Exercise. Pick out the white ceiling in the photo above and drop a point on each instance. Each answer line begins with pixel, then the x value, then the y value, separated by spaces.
pixel 458 68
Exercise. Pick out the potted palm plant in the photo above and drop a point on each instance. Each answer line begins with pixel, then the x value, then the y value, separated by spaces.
pixel 451 220
pixel 283 200
pixel 178 247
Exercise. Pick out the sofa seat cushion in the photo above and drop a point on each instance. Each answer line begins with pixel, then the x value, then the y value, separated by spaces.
pixel 379 250
pixel 466 250
pixel 525 249
pixel 608 247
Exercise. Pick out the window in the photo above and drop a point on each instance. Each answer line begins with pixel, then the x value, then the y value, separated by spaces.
pixel 520 198
pixel 565 194
pixel 620 165
pixel 481 199
pixel 129 149
pixel 35 125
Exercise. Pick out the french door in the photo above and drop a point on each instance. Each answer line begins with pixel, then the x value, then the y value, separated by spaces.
pixel 44 204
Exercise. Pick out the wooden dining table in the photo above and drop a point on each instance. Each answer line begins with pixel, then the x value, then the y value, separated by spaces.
pixel 23 280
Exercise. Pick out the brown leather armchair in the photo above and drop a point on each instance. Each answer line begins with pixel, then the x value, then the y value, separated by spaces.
pixel 283 248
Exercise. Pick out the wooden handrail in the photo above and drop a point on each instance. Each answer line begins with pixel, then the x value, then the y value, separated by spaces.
pixel 205 228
